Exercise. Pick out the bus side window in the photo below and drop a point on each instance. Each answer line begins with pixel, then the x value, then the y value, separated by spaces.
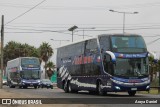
pixel 91 46
pixel 104 43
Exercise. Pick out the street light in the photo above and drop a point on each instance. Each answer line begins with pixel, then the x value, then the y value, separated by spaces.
pixel 72 29
pixel 59 40
pixel 86 28
pixel 124 16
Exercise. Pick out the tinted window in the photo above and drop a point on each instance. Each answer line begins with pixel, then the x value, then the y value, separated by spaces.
pixel 104 43
pixel 91 51
pixel 91 46
pixel 128 44
pixel 30 61
pixel 78 49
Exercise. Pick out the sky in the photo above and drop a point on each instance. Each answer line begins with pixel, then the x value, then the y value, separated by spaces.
pixel 37 21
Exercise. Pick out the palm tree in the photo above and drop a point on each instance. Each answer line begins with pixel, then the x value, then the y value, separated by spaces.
pixel 46 52
pixel 50 66
pixel 28 50
pixel 154 67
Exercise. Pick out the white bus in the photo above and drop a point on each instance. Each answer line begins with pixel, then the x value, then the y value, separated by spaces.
pixel 23 72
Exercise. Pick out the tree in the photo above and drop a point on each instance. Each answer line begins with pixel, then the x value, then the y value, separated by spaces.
pixel 46 52
pixel 50 66
pixel 14 49
pixel 151 68
pixel 10 51
pixel 154 67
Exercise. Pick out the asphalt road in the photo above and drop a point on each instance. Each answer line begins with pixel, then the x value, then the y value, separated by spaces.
pixel 58 93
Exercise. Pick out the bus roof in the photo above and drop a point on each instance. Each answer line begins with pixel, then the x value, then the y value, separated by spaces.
pixel 18 59
pixel 118 34
pixel 76 42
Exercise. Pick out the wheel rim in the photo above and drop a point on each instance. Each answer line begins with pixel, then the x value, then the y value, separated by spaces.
pixel 69 87
pixel 100 88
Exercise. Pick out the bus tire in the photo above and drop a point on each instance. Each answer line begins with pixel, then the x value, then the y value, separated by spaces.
pixel 11 86
pixel 35 87
pixel 20 87
pixel 92 92
pixel 71 90
pixel 25 87
pixel 100 90
pixel 66 87
pixel 131 93
pixel 74 91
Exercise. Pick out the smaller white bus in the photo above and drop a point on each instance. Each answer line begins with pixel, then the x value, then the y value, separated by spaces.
pixel 23 72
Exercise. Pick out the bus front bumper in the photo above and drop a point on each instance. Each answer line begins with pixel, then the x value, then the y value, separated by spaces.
pixel 119 86
pixel 30 84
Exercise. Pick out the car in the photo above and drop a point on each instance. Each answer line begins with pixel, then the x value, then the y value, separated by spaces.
pixel 46 83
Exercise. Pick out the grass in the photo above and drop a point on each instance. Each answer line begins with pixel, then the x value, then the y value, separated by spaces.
pixel 155 82
pixel 152 91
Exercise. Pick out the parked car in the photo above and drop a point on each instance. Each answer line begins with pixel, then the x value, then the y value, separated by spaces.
pixel 46 83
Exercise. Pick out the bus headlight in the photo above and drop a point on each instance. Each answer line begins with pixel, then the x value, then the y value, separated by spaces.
pixel 23 81
pixel 148 87
pixel 38 81
pixel 118 88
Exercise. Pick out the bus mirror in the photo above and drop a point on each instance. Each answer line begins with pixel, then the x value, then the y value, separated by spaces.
pixel 111 56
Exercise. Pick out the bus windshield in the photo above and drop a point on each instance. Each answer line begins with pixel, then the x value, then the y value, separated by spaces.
pixel 30 74
pixel 33 62
pixel 131 67
pixel 128 44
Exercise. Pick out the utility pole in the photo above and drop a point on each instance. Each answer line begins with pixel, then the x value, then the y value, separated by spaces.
pixel 72 29
pixel 159 79
pixel 83 29
pixel 124 14
pixel 2 40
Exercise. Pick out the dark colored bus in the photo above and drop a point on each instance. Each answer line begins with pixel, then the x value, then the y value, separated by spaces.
pixel 106 63
pixel 23 72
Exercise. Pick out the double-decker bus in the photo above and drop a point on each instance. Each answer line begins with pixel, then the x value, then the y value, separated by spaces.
pixel 23 72
pixel 106 63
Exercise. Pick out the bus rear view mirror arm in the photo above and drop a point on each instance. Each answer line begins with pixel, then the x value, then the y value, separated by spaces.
pixel 113 57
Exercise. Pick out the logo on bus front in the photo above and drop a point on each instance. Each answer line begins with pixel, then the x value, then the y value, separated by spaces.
pixel 134 81
pixel 30 65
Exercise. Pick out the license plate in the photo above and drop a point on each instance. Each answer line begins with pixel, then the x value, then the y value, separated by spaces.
pixel 133 89
pixel 31 84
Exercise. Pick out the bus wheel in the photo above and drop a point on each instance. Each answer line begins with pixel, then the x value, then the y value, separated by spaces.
pixel 25 87
pixel 11 86
pixel 74 91
pixel 20 87
pixel 35 87
pixel 92 92
pixel 66 87
pixel 131 93
pixel 100 90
